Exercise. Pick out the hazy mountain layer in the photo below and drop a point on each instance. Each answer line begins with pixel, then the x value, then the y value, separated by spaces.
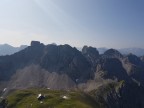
pixel 6 49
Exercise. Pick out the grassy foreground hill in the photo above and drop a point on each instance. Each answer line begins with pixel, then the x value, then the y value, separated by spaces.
pixel 53 99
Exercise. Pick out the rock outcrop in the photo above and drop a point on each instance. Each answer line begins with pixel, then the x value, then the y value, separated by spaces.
pixel 112 53
pixel 91 54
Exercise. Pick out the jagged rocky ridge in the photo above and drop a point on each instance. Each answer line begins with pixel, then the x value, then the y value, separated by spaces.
pixel 114 80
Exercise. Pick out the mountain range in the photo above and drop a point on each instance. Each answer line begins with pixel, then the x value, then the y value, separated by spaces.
pixel 6 49
pixel 125 51
pixel 112 79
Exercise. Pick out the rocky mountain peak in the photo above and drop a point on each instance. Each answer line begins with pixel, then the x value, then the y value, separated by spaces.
pixel 133 59
pixel 110 68
pixel 90 50
pixel 36 43
pixel 91 54
pixel 113 53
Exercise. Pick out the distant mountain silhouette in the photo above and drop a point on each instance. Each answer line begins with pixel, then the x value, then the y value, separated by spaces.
pixel 125 51
pixel 6 49
pixel 135 51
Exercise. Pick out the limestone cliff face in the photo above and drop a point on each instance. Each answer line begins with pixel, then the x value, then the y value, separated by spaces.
pixel 33 76
pixel 110 68
pixel 134 67
pixel 63 61
pixel 119 95
pixel 91 54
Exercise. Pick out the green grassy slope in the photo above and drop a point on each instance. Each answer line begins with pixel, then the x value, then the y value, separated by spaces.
pixel 53 99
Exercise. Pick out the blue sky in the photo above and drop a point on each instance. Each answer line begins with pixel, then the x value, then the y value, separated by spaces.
pixel 98 23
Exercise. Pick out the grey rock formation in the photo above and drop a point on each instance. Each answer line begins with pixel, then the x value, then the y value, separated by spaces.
pixel 64 61
pixel 34 76
pixel 91 54
pixel 112 53
pixel 111 68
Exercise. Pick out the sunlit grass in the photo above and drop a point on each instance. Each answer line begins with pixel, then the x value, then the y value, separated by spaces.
pixel 53 99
